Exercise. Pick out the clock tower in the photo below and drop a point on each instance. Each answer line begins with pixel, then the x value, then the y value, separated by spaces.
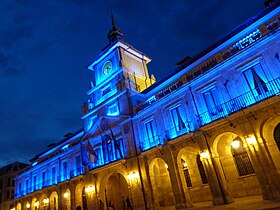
pixel 120 71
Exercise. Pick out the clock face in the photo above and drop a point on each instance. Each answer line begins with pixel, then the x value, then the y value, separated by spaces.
pixel 107 67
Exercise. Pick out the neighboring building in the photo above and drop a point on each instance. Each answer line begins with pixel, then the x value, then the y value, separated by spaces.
pixel 7 183
pixel 210 130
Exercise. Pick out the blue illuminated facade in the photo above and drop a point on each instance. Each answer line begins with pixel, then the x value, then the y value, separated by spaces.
pixel 138 133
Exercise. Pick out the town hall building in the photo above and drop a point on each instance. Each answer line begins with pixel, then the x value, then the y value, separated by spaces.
pixel 208 131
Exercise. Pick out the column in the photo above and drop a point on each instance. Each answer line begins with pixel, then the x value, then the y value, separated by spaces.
pixel 181 200
pixel 265 169
pixel 216 180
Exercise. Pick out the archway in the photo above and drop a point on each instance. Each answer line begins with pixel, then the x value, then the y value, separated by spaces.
pixel 193 175
pixel 34 204
pixel 161 184
pixel 235 165
pixel 116 190
pixel 54 201
pixel 270 134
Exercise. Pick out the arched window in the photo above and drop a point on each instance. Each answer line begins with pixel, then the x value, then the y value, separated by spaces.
pixel 186 173
pixel 276 135
pixel 241 158
pixel 201 170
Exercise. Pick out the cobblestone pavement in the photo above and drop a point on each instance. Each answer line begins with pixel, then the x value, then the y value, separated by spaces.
pixel 246 203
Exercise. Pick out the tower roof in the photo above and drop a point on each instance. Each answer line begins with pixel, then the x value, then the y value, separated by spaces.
pixel 114 33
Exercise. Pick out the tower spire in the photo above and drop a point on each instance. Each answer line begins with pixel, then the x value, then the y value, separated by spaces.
pixel 114 33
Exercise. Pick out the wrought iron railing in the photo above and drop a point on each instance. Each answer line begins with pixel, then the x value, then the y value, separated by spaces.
pixel 247 99
pixel 151 142
pixel 176 131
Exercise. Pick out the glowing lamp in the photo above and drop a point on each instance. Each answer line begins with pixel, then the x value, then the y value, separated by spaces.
pixel 251 140
pixel 185 165
pixel 46 201
pixel 36 204
pixel 166 166
pixel 28 205
pixel 133 175
pixel 13 209
pixel 89 189
pixel 205 154
pixel 235 144
pixel 66 195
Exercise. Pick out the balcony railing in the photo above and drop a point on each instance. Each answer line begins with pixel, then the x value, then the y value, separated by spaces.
pixel 77 172
pixel 151 142
pixel 247 99
pixel 177 131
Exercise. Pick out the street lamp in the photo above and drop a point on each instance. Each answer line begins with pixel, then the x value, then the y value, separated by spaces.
pixel 28 205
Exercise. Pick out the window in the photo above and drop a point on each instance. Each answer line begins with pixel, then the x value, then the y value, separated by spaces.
pixel 177 118
pixel 201 170
pixel 186 173
pixel 113 110
pixel 34 183
pixel 108 148
pixel 78 162
pixel 19 188
pixel 64 166
pixel 151 133
pixel 53 175
pixel 276 135
pixel 27 185
pixel 256 79
pixel 212 100
pixel 106 89
pixel 44 179
pixel 241 159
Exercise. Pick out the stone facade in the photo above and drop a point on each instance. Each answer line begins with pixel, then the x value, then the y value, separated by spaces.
pixel 208 131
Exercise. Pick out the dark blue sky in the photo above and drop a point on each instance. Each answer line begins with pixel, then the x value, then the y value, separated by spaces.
pixel 45 46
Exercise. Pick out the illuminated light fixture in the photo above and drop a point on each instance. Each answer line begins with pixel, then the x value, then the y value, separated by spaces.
pixel 205 154
pixel 185 165
pixel 166 166
pixel 66 195
pixel 36 204
pixel 251 140
pixel 134 175
pixel 13 209
pixel 28 205
pixel 89 189
pixel 46 201
pixel 235 144
pixel 65 147
pixel 35 163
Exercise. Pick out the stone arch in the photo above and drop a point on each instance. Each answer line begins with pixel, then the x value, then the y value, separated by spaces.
pixel 161 183
pixel 24 207
pixel 114 187
pixel 43 205
pixel 54 201
pixel 33 202
pixel 78 195
pixel 267 133
pixel 239 185
pixel 196 192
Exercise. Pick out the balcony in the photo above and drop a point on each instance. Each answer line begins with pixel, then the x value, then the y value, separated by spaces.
pixel 175 131
pixel 151 142
pixel 247 99
pixel 77 172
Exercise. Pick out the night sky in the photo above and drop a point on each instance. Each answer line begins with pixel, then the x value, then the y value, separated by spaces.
pixel 45 46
